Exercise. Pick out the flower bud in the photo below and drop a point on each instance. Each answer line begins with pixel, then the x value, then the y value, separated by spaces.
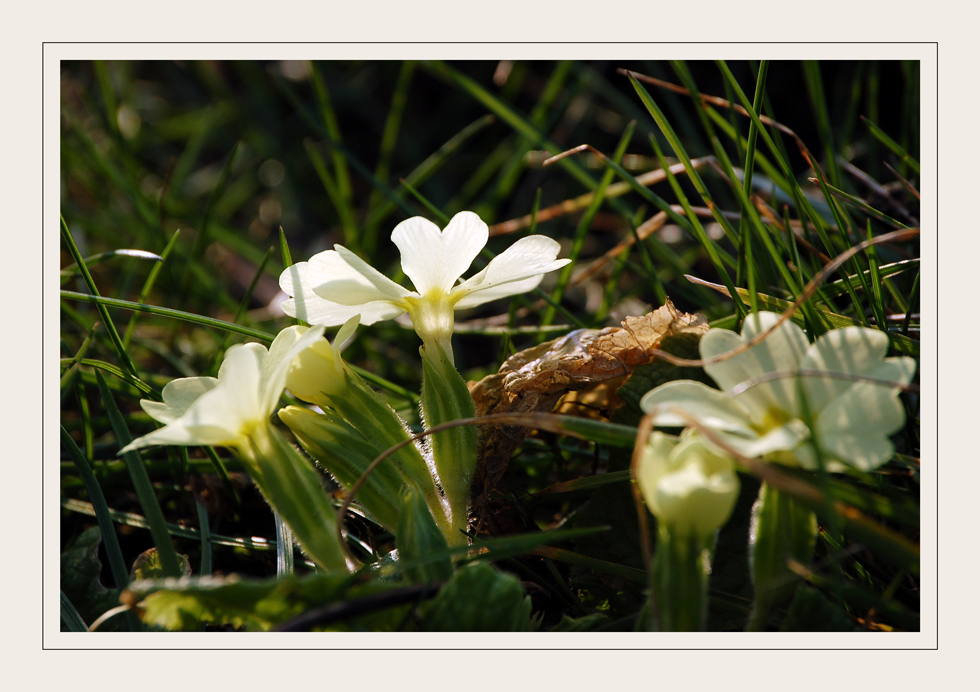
pixel 687 486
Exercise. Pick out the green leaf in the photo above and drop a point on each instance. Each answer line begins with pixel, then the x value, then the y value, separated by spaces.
pixel 446 398
pixel 80 568
pixel 480 599
pixel 346 454
pixel 291 484
pixel 418 537
pixel 149 566
pixel 252 604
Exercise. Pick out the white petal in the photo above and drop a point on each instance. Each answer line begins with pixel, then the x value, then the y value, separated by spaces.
pixel 517 269
pixel 711 408
pixel 434 260
pixel 848 350
pixel 288 344
pixel 864 408
pixel 344 335
pixel 178 395
pixel 784 438
pixel 298 281
pixel 179 434
pixel 349 280
pixel 861 451
pixel 237 399
pixel 218 416
pixel 782 350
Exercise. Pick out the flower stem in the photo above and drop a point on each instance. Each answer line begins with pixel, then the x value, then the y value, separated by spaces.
pixel 782 530
pixel 679 577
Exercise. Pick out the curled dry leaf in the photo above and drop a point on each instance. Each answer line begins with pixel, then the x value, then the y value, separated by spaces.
pixel 535 379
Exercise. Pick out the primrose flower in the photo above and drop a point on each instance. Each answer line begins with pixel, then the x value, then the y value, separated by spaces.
pixel 232 410
pixel 337 284
pixel 686 484
pixel 851 420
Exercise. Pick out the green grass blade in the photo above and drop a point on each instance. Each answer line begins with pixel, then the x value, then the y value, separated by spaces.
pixel 200 239
pixel 430 166
pixel 168 312
pixel 892 145
pixel 120 574
pixel 70 618
pixel 206 545
pixel 141 483
pixel 578 240
pixel 90 283
pixel 148 286
pixel 678 148
pixel 389 137
pixel 814 86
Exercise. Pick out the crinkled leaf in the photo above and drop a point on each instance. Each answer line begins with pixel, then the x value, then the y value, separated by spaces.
pixel 255 604
pixel 80 568
pixel 480 598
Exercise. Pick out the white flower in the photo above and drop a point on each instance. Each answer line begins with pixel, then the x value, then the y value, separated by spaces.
pixel 337 284
pixel 231 410
pixel 689 487
pixel 851 421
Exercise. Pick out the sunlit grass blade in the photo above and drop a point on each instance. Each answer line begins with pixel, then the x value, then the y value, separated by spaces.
pixel 859 203
pixel 120 373
pixel 103 313
pixel 578 240
pixel 139 521
pixel 895 148
pixel 148 286
pixel 877 302
pixel 73 270
pixel 678 148
pixel 900 342
pixel 349 157
pixel 168 312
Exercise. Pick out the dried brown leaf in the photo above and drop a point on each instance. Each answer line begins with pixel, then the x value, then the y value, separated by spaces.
pixel 537 378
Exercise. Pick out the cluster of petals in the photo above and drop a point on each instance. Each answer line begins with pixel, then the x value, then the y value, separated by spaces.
pixel 687 485
pixel 842 385
pixel 335 285
pixel 229 409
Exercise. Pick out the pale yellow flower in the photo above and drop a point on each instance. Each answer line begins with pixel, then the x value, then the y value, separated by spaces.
pixel 851 420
